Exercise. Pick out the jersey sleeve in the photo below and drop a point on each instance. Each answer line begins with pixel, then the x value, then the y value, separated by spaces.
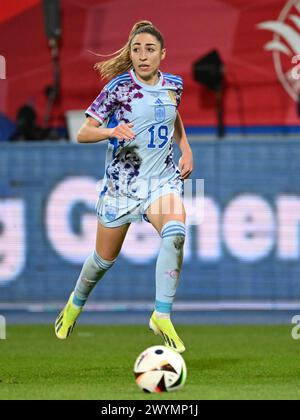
pixel 103 107
pixel 179 92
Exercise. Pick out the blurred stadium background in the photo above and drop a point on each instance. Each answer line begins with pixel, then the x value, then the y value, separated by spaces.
pixel 242 262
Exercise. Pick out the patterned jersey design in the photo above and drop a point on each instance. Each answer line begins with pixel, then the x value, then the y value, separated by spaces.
pixel 147 159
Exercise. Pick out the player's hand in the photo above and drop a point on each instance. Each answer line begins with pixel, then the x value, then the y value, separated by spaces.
pixel 186 164
pixel 123 132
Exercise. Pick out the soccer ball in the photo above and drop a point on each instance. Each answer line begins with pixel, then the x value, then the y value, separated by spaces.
pixel 159 369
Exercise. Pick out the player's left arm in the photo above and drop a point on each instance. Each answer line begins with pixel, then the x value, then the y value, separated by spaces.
pixel 186 160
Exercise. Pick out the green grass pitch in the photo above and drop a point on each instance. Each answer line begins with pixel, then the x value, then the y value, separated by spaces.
pixel 223 362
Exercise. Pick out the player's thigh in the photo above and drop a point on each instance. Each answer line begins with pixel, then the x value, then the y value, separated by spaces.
pixel 109 240
pixel 166 208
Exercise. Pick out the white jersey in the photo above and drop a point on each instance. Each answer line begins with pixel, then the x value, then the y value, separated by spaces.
pixel 135 168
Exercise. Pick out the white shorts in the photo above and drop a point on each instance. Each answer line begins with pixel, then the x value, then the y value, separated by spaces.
pixel 114 212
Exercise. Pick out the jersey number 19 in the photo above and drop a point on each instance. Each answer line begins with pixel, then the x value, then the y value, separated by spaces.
pixel 162 134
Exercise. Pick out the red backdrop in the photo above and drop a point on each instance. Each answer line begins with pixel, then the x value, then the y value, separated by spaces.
pixel 254 93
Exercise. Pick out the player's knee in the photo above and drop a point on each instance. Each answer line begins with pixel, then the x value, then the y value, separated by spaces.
pixel 103 263
pixel 107 254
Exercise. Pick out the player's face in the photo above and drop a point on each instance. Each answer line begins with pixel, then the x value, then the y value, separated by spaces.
pixel 146 54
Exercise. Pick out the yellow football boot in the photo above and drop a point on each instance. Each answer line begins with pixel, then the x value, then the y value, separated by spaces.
pixel 66 320
pixel 164 327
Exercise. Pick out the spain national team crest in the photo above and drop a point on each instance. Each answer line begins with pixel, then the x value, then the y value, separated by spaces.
pixel 160 111
pixel 285 46
pixel 110 212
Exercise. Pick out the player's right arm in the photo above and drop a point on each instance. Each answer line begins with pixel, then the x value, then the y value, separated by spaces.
pixel 92 132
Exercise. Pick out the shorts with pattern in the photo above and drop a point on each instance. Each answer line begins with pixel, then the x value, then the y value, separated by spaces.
pixel 114 212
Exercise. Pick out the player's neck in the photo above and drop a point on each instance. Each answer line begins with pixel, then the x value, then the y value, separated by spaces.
pixel 152 80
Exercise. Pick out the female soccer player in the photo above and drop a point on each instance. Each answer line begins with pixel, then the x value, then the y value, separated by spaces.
pixel 137 112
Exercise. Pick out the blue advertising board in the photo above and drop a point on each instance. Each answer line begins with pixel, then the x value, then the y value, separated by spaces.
pixel 245 249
